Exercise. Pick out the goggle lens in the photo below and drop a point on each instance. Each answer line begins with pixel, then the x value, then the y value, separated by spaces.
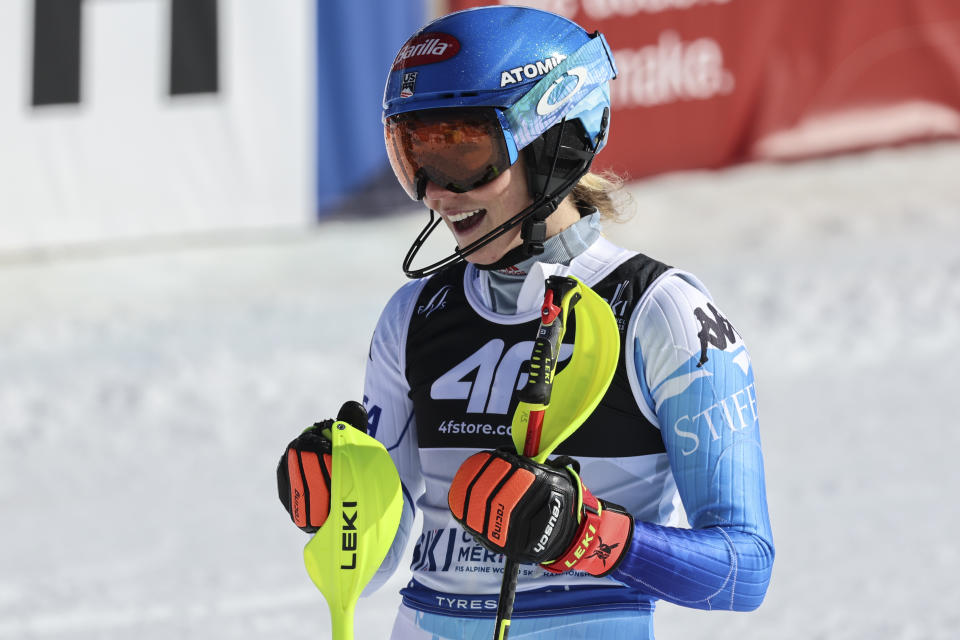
pixel 458 150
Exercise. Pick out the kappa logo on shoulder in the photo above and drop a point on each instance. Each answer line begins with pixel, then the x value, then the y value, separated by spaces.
pixel 437 302
pixel 714 331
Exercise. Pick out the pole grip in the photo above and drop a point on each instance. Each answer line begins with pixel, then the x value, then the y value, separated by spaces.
pixel 560 295
pixel 559 298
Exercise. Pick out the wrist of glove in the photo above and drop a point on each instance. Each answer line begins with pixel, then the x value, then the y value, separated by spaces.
pixel 538 513
pixel 303 473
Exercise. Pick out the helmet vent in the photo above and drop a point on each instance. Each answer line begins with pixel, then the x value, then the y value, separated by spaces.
pixel 459 94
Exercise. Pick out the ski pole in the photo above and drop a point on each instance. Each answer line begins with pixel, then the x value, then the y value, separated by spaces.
pixel 535 433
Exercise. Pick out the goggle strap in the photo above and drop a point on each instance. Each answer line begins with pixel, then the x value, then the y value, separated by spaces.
pixel 597 61
pixel 556 152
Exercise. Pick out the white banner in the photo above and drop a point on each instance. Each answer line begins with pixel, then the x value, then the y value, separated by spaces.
pixel 133 158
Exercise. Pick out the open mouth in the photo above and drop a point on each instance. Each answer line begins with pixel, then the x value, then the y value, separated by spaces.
pixel 467 220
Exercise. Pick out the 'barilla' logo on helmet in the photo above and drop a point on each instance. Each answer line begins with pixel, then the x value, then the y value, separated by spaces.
pixel 426 48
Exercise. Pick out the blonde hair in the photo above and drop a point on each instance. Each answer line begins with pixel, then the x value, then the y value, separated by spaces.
pixel 603 192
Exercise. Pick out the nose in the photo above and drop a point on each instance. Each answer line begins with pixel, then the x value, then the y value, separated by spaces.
pixel 433 191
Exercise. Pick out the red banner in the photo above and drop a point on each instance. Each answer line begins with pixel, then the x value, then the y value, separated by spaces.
pixel 706 83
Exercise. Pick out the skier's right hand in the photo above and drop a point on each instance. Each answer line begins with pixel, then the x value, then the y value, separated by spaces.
pixel 303 474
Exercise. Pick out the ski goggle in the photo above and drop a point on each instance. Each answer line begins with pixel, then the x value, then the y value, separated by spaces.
pixel 458 149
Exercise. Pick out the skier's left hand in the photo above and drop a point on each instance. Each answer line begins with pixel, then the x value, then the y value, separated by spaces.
pixel 303 473
pixel 538 513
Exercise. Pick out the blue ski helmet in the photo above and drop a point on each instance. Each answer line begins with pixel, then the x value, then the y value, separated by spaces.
pixel 472 90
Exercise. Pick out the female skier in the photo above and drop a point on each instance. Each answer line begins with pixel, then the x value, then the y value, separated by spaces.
pixel 492 117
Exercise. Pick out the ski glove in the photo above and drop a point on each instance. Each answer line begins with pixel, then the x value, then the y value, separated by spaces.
pixel 538 513
pixel 303 474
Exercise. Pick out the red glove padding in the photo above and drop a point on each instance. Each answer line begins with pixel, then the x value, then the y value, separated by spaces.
pixel 303 473
pixel 538 513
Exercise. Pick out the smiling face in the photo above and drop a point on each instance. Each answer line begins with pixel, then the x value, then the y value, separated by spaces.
pixel 475 213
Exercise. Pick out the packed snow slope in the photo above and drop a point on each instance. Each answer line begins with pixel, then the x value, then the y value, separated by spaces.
pixel 146 394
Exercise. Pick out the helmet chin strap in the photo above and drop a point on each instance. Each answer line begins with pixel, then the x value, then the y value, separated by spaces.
pixel 533 236
pixel 533 233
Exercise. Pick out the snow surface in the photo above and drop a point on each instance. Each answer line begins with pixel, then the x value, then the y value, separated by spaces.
pixel 146 395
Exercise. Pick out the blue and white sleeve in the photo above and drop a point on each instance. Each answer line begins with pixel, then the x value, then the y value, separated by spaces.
pixel 390 415
pixel 697 382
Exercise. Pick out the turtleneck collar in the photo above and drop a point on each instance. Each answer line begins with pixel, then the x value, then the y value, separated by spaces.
pixel 505 283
